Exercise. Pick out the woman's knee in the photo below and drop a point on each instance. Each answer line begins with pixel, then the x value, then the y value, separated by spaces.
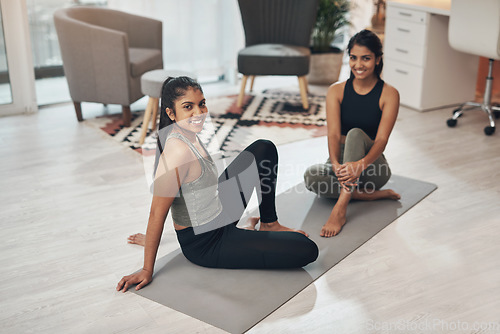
pixel 311 176
pixel 263 149
pixel 357 135
pixel 311 252
pixel 265 145
pixel 357 132
pixel 306 251
pixel 266 142
pixel 357 144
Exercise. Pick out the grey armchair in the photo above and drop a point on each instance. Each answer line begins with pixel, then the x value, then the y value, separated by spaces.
pixel 104 54
pixel 277 38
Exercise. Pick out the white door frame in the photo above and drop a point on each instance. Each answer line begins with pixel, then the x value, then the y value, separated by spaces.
pixel 19 58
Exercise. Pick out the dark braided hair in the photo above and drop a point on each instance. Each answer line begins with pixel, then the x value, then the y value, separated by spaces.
pixel 371 41
pixel 171 90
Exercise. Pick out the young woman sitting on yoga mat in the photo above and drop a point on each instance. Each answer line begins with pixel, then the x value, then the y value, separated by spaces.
pixel 360 115
pixel 204 209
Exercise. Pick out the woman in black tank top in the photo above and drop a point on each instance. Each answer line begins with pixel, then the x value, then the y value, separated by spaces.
pixel 361 113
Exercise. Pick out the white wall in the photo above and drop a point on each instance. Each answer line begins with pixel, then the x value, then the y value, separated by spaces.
pixel 361 15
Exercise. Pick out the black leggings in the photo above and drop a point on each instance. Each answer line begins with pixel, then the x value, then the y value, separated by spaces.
pixel 235 248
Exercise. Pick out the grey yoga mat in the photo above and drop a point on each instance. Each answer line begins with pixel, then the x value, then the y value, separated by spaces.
pixel 235 300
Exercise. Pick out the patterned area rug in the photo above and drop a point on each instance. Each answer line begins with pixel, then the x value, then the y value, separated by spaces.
pixel 276 115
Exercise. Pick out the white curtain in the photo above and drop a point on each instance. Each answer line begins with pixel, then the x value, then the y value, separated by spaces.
pixel 199 36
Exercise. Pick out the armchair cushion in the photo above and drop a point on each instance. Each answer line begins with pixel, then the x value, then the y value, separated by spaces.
pixel 274 59
pixel 143 60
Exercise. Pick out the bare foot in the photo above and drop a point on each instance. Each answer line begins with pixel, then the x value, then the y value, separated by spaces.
pixel 390 194
pixel 137 239
pixel 333 225
pixel 250 224
pixel 275 226
pixel 376 194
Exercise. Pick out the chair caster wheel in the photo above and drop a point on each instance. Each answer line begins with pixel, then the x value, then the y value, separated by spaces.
pixel 452 122
pixel 497 114
pixel 489 130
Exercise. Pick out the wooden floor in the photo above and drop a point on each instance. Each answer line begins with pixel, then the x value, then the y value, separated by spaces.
pixel 69 196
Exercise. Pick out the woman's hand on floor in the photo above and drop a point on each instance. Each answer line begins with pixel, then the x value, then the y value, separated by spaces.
pixel 141 278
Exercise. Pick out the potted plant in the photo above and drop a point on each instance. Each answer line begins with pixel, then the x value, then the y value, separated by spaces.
pixel 326 60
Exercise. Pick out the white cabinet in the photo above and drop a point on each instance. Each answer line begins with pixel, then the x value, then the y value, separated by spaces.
pixel 419 62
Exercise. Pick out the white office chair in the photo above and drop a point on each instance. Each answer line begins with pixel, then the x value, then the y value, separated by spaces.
pixel 475 28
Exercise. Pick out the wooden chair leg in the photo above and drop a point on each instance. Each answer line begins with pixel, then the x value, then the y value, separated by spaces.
pixel 127 115
pixel 252 78
pixel 145 121
pixel 78 110
pixel 239 103
pixel 303 92
pixel 155 112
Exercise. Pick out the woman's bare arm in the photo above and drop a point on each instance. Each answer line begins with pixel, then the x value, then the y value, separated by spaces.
pixel 172 170
pixel 333 101
pixel 390 108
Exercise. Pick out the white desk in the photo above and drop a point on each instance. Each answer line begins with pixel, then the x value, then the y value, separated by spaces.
pixel 418 60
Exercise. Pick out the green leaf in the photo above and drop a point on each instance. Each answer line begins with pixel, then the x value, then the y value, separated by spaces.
pixel 331 16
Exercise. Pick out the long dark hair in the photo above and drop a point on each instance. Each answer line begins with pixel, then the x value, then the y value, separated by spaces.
pixel 171 90
pixel 371 41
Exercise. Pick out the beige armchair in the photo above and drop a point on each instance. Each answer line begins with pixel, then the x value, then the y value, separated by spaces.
pixel 104 54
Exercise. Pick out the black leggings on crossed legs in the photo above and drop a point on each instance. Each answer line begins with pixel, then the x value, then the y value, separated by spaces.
pixel 235 248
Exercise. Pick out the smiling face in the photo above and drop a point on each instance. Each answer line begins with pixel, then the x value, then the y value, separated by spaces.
pixel 190 111
pixel 362 62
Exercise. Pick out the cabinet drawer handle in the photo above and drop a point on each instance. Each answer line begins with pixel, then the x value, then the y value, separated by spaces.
pixel 401 50
pixel 403 30
pixel 401 71
pixel 405 14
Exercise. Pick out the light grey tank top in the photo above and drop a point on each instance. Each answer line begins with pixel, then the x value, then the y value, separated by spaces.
pixel 198 201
